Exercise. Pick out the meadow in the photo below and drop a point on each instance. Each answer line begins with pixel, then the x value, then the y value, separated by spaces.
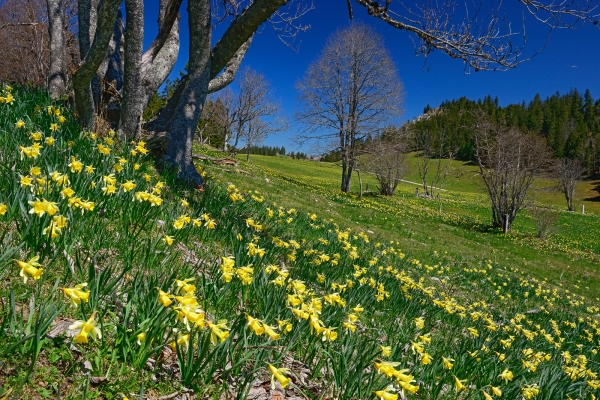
pixel 116 282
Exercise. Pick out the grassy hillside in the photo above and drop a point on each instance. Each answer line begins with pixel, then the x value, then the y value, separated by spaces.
pixel 460 233
pixel 116 283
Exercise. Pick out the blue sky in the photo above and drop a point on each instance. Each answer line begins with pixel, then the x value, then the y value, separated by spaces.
pixel 571 60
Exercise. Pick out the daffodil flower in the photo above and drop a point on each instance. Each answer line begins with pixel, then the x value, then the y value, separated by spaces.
pixel 280 375
pixel 218 331
pixel 30 268
pixel 164 298
pixel 256 325
pixel 76 294
pixel 87 328
pixel 459 384
pixel 386 351
pixel 387 393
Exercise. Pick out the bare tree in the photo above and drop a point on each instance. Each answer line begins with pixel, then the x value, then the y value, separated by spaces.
pixel 433 150
pixel 251 106
pixel 508 162
pixel 569 171
pixel 349 93
pixel 209 69
pixel 386 158
pixel 259 129
pixel 25 40
pixel 479 35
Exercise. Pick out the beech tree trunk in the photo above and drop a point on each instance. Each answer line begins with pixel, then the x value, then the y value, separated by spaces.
pixel 133 103
pixel 181 114
pixel 58 51
pixel 92 55
pixel 156 70
pixel 184 120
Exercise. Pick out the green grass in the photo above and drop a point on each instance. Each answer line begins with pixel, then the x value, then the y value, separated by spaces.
pixel 270 272
pixel 460 232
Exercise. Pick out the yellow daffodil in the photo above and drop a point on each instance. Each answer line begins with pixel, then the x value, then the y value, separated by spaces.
pixel 419 322
pixel 387 393
pixel 256 325
pixel 30 152
pixel 76 294
pixel 182 342
pixel 3 208
pixel 164 298
pixel 218 331
pixel 29 268
pixel 168 240
pixel 459 384
pixel 36 136
pixel 506 375
pixel 447 362
pixel 270 332
pixel 50 141
pixel 280 375
pixel 26 181
pixel 530 391
pixel 386 351
pixel 20 124
pixel 141 338
pixel 42 207
pixel 87 328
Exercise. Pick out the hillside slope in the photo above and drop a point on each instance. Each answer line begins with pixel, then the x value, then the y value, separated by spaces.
pixel 115 282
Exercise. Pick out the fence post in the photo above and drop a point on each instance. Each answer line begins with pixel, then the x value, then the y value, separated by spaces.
pixel 505 225
pixel 583 208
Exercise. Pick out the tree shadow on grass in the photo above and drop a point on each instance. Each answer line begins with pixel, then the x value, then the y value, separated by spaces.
pixel 596 189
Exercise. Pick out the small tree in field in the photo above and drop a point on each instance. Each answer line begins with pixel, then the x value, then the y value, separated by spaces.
pixel 387 160
pixel 508 160
pixel 569 171
pixel 349 93
pixel 250 106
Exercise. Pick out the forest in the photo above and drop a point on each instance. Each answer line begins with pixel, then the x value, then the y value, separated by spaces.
pixel 568 122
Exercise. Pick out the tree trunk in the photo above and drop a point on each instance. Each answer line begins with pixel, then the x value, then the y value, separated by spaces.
pixel 58 50
pixel 184 121
pixel 156 70
pixel 92 55
pixel 133 92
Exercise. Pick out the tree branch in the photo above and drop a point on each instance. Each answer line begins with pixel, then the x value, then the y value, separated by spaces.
pixel 231 69
pixel 240 30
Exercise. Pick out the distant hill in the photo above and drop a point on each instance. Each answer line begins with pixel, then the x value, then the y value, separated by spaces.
pixel 569 122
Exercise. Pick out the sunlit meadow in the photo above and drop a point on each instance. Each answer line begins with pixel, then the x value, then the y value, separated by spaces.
pixel 116 283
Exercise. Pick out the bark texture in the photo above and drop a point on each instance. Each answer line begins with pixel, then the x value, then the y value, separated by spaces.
pixel 156 70
pixel 133 93
pixel 58 50
pixel 93 57
pixel 193 95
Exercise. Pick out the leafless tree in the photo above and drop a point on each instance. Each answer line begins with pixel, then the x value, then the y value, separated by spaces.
pixel 251 106
pixel 210 69
pixel 569 171
pixel 259 129
pixel 349 93
pixel 386 158
pixel 479 34
pixel 508 161
pixel 25 40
